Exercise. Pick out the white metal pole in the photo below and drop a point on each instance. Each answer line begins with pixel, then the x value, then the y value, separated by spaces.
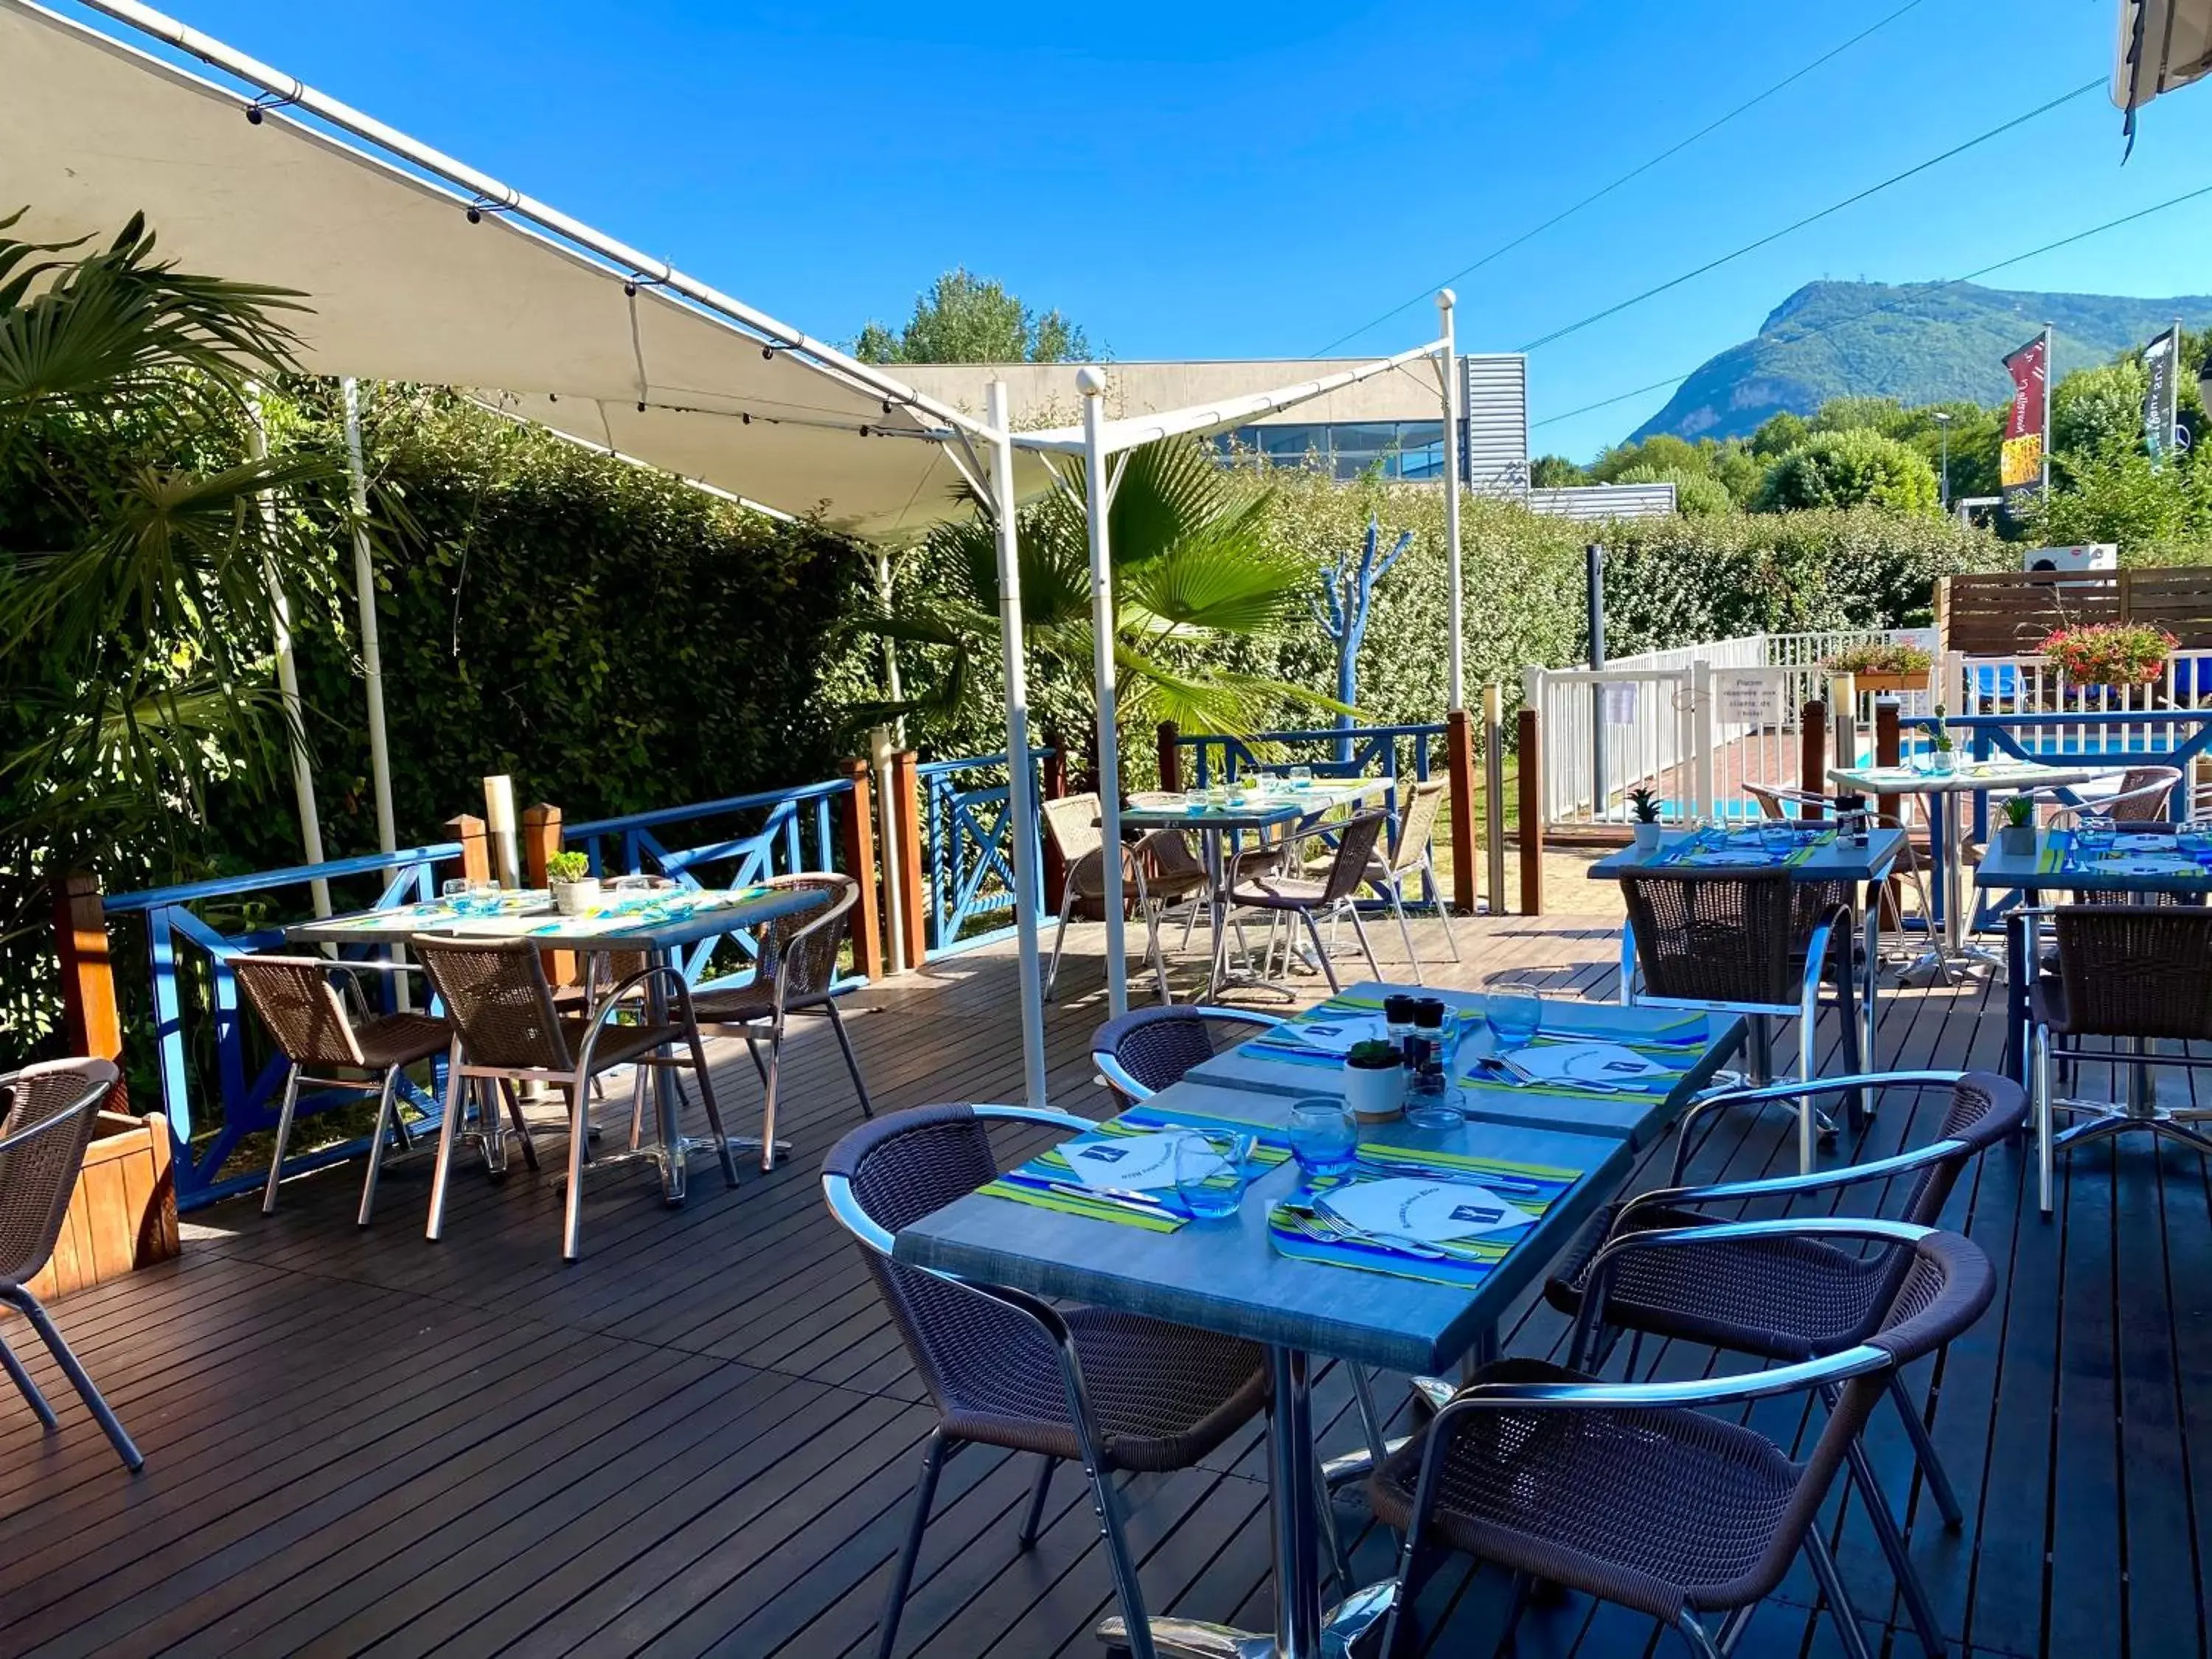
pixel 1020 809
pixel 1448 363
pixel 287 675
pixel 372 660
pixel 1096 503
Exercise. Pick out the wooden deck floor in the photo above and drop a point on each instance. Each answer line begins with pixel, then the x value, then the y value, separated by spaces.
pixel 700 1440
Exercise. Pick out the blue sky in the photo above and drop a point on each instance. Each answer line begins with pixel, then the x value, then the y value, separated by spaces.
pixel 1247 181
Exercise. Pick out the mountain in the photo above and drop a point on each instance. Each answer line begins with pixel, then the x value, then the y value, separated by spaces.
pixel 1918 343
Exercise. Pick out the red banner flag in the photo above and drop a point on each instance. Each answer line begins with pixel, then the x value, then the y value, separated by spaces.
pixel 2021 457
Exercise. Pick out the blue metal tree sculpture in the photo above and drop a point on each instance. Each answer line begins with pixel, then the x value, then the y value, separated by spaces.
pixel 1349 589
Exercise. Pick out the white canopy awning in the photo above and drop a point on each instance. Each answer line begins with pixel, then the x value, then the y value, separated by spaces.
pixel 2163 45
pixel 532 310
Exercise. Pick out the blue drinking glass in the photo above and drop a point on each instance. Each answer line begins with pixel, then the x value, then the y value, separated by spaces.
pixel 1211 1172
pixel 1323 1138
pixel 1514 1020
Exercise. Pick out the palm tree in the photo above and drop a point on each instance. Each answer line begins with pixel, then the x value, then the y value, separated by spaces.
pixel 137 548
pixel 1194 573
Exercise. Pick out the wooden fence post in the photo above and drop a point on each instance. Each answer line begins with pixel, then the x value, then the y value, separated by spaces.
pixel 541 840
pixel 1813 755
pixel 1171 757
pixel 1055 788
pixel 856 837
pixel 913 922
pixel 1459 762
pixel 475 862
pixel 1532 816
pixel 90 1021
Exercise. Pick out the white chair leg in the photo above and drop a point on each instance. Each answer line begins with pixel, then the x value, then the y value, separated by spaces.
pixel 1313 928
pixel 1444 909
pixel 386 1108
pixel 1059 938
pixel 1406 934
pixel 284 1138
pixel 768 1095
pixel 1359 932
pixel 2043 1113
pixel 1159 962
pixel 449 1129
pixel 572 1217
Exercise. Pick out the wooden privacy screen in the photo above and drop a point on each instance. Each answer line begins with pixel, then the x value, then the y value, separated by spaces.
pixel 2004 613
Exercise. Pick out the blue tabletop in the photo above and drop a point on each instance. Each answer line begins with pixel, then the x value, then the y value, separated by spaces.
pixel 708 912
pixel 1227 1276
pixel 1832 857
pixel 1259 809
pixel 2135 861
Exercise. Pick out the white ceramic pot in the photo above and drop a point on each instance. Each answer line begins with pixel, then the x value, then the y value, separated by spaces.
pixel 576 898
pixel 1375 1094
pixel 1647 837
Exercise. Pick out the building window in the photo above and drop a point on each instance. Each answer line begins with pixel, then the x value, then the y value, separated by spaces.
pixel 1411 450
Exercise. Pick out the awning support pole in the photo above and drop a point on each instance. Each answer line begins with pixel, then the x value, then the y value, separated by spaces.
pixel 287 675
pixel 1021 806
pixel 1447 362
pixel 372 661
pixel 1097 504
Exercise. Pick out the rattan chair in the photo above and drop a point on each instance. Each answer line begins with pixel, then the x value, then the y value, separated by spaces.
pixel 1773 799
pixel 2132 973
pixel 1789 1299
pixel 506 1030
pixel 795 971
pixel 1142 1052
pixel 1311 897
pixel 48 1114
pixel 1412 852
pixel 1112 1392
pixel 1157 873
pixel 2143 796
pixel 1635 1492
pixel 1752 942
pixel 306 1021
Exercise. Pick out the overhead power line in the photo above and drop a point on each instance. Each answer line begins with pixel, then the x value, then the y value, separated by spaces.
pixel 1891 305
pixel 1634 173
pixel 1833 207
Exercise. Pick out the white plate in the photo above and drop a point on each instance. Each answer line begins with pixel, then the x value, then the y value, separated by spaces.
pixel 1433 1212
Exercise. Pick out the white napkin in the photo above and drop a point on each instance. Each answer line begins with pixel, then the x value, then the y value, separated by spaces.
pixel 1587 1062
pixel 1433 1212
pixel 1130 1162
pixel 1334 1034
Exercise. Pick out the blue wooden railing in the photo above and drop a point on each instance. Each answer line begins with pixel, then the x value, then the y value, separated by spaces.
pixel 967 841
pixel 795 833
pixel 206 1134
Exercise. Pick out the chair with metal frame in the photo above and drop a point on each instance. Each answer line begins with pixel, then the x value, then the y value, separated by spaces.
pixel 1309 897
pixel 1112 1392
pixel 2132 973
pixel 48 1115
pixel 1635 1492
pixel 1142 1052
pixel 1772 798
pixel 506 1030
pixel 1071 824
pixel 2143 796
pixel 795 971
pixel 1749 941
pixel 1786 1300
pixel 1412 852
pixel 306 1021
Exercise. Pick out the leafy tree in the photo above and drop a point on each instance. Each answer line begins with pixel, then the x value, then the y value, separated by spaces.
pixel 965 318
pixel 1778 434
pixel 1882 414
pixel 2157 515
pixel 1737 470
pixel 1849 469
pixel 1662 451
pixel 1696 495
pixel 2095 411
pixel 1555 472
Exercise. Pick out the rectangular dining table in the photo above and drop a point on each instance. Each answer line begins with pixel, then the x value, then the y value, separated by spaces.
pixel 2055 864
pixel 1947 824
pixel 1218 813
pixel 1227 1276
pixel 1860 862
pixel 686 916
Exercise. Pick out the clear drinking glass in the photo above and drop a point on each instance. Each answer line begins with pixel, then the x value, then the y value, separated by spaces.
pixel 1514 1019
pixel 1777 835
pixel 2093 832
pixel 456 893
pixel 1323 1138
pixel 483 898
pixel 1211 1172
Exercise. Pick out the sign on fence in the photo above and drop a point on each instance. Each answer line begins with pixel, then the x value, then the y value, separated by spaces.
pixel 1621 702
pixel 1745 697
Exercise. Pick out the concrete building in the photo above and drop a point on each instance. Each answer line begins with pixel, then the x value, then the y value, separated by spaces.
pixel 1393 423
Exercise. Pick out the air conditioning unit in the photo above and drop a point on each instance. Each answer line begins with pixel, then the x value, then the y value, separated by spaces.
pixel 2097 556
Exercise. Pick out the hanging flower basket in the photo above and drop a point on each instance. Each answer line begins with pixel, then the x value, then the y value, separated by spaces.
pixel 2110 653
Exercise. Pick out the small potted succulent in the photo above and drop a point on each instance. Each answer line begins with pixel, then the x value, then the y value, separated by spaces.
pixel 1374 1081
pixel 1644 808
pixel 2017 836
pixel 1945 758
pixel 575 889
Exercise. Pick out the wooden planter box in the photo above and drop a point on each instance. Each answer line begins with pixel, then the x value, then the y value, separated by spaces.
pixel 1888 685
pixel 123 1213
